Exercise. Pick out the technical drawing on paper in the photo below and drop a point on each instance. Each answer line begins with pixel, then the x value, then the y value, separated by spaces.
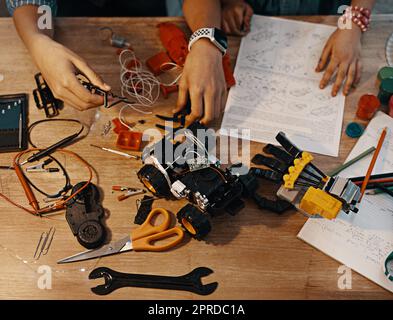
pixel 278 89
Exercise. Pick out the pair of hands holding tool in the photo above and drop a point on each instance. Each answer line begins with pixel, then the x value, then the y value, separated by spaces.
pixel 340 59
pixel 206 87
pixel 203 76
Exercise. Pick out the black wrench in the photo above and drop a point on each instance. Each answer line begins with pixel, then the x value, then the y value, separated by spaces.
pixel 190 282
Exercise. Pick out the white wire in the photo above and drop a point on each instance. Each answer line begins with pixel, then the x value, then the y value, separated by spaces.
pixel 196 141
pixel 139 84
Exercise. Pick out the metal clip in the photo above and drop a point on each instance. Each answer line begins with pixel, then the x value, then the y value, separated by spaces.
pixel 44 243
pixel 41 167
pixel 129 192
pixel 115 40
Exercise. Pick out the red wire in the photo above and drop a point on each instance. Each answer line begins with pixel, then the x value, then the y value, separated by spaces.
pixel 60 204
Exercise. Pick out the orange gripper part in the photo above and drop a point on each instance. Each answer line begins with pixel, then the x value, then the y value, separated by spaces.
pixel 156 63
pixel 118 126
pixel 228 73
pixel 174 41
pixel 129 140
pixel 166 90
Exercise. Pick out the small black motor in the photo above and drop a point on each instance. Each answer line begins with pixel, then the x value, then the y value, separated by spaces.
pixel 84 215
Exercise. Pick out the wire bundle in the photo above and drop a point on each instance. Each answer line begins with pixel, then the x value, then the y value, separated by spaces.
pixel 139 84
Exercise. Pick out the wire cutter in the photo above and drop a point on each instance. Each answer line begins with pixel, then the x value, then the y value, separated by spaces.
pixel 147 237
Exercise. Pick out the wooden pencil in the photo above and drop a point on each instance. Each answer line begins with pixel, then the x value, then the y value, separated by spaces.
pixel 351 162
pixel 386 180
pixel 384 189
pixel 372 163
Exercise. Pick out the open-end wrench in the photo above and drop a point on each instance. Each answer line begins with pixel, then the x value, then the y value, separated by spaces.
pixel 189 282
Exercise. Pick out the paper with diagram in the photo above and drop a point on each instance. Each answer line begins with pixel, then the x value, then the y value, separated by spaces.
pixel 361 241
pixel 278 89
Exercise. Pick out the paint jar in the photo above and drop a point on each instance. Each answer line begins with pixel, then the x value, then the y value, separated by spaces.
pixel 385 90
pixel 384 73
pixel 391 107
pixel 367 106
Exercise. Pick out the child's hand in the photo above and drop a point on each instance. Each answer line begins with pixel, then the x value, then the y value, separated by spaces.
pixel 203 82
pixel 341 55
pixel 236 17
pixel 58 66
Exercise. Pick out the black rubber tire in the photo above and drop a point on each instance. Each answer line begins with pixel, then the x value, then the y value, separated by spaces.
pixel 158 183
pixel 91 234
pixel 194 221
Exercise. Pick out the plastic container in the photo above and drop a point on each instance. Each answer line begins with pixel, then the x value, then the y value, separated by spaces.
pixel 354 130
pixel 367 106
pixel 129 140
pixel 384 73
pixel 391 107
pixel 386 90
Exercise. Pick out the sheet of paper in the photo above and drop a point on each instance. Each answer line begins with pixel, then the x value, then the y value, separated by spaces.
pixel 369 139
pixel 361 241
pixel 278 90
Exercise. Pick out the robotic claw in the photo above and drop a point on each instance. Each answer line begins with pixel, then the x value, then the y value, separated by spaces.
pixel 307 187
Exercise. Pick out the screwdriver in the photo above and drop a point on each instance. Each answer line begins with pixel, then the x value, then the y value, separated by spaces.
pixel 46 152
pixel 123 154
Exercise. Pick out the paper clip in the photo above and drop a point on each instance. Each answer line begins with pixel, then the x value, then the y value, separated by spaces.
pixel 44 243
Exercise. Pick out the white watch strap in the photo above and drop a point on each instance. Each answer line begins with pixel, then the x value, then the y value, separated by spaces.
pixel 201 33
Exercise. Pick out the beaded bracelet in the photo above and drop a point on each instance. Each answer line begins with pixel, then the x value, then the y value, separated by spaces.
pixel 359 15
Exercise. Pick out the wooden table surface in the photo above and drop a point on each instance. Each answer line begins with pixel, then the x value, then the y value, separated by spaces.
pixel 255 255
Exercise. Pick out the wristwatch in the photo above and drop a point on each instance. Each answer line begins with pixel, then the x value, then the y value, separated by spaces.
pixel 216 36
pixel 389 267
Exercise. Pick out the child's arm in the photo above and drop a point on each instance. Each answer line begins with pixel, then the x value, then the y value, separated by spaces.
pixel 203 78
pixel 236 17
pixel 341 56
pixel 56 62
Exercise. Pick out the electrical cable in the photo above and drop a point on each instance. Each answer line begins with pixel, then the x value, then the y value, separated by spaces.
pixel 139 84
pixel 58 205
pixel 67 185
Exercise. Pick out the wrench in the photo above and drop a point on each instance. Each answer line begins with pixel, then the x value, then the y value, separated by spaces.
pixel 190 282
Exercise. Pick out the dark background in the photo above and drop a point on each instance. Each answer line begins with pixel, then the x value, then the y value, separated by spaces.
pixel 384 6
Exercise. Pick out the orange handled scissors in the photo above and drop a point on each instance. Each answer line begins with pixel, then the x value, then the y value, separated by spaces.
pixel 145 238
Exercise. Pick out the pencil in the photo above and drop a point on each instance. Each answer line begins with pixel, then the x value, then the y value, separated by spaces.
pixel 351 162
pixel 373 186
pixel 373 177
pixel 384 189
pixel 372 163
pixel 378 191
pixel 387 180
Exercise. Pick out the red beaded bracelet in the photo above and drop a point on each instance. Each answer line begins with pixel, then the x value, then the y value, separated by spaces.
pixel 359 15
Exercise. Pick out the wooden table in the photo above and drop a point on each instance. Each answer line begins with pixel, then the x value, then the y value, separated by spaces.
pixel 255 255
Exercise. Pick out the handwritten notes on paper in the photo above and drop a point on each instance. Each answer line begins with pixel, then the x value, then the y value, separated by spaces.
pixel 372 134
pixel 361 241
pixel 278 89
pixel 358 247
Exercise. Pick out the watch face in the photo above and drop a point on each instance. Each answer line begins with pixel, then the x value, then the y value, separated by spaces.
pixel 221 38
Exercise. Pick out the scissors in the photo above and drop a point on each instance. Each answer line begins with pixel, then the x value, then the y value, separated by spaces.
pixel 144 238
